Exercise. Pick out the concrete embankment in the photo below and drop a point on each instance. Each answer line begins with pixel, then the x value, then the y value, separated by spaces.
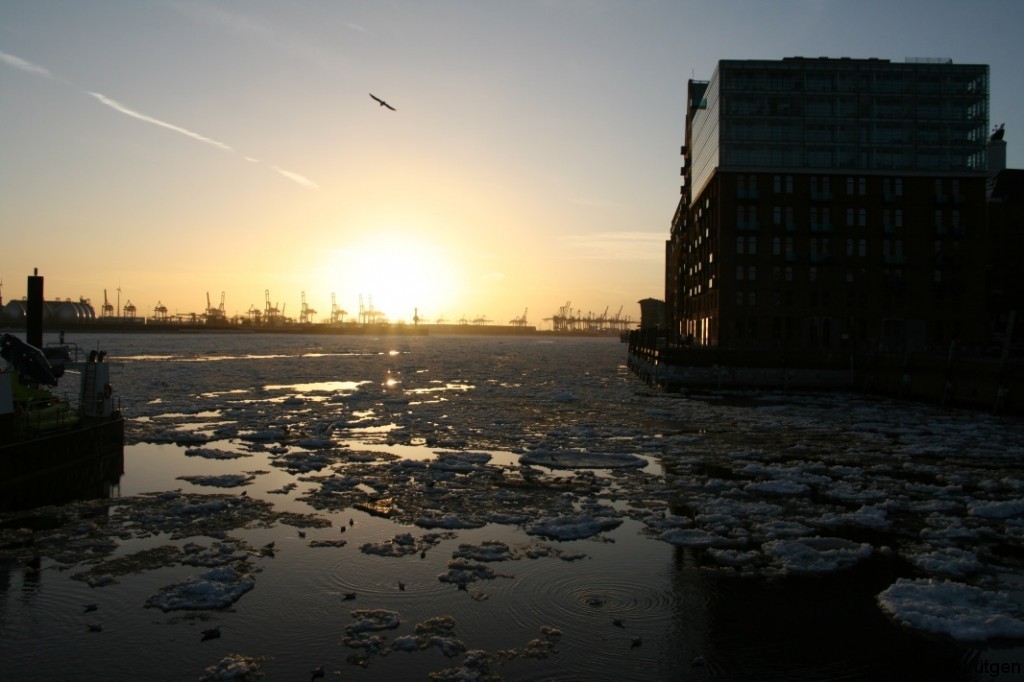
pixel 990 384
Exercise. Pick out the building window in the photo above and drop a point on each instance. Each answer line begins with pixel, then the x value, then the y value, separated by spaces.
pixel 789 274
pixel 739 298
pixel 739 246
pixel 862 249
pixel 849 217
pixel 862 186
pixel 789 184
pixel 849 247
pixel 898 217
pixel 777 246
pixel 752 246
pixel 862 217
pixel 739 272
pixel 752 217
pixel 776 273
pixel 899 187
pixel 849 186
pixel 751 301
pixel 790 223
pixel 777 214
pixel 752 272
pixel 777 184
pixel 812 274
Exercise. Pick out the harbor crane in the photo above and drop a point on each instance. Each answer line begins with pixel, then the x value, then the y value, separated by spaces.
pixel 108 309
pixel 305 313
pixel 215 315
pixel 519 321
pixel 271 313
pixel 337 314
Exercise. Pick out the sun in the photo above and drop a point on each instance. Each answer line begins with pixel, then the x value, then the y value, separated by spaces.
pixel 401 273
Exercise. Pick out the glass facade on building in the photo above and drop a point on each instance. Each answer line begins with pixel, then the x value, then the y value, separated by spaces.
pixel 835 115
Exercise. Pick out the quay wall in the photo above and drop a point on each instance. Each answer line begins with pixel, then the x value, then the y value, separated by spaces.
pixel 992 384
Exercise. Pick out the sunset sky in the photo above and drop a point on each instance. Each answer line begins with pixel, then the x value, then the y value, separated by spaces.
pixel 172 149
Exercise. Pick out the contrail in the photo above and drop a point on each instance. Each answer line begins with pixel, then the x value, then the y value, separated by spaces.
pixel 117 106
pixel 22 65
pixel 37 70
pixel 295 177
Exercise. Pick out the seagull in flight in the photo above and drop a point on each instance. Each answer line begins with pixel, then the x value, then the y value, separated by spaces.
pixel 382 102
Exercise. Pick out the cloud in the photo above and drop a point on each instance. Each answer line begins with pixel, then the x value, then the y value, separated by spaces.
pixel 117 106
pixel 357 27
pixel 22 65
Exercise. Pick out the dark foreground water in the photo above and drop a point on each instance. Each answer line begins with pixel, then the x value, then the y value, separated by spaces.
pixel 518 509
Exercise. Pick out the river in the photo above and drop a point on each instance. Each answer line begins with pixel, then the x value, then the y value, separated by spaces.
pixel 518 508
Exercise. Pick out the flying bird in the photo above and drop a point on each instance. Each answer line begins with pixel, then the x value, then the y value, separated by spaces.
pixel 382 102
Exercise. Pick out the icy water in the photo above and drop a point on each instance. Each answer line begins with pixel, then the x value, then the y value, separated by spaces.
pixel 519 509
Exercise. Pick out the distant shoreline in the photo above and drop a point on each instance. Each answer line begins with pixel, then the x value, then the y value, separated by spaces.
pixel 344 329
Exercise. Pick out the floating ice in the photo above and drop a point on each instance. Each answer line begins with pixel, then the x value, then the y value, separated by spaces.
pixel 997 510
pixel 221 481
pixel 815 555
pixel 777 487
pixel 572 527
pixel 373 620
pixel 568 459
pixel 693 537
pixel 214 589
pixel 235 667
pixel 215 453
pixel 961 611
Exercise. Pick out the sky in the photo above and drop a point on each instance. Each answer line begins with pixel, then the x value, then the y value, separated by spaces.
pixel 171 152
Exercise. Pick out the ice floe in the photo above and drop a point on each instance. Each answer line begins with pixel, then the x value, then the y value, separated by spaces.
pixel 566 459
pixel 235 668
pixel 215 589
pixel 572 527
pixel 963 612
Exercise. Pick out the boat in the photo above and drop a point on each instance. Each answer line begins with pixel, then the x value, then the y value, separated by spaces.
pixel 52 450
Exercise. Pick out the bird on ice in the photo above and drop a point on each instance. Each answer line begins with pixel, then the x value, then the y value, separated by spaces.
pixel 382 102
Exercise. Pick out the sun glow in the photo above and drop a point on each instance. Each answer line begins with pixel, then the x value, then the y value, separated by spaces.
pixel 400 274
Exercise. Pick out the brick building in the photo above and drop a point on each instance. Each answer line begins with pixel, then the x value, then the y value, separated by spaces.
pixel 833 204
